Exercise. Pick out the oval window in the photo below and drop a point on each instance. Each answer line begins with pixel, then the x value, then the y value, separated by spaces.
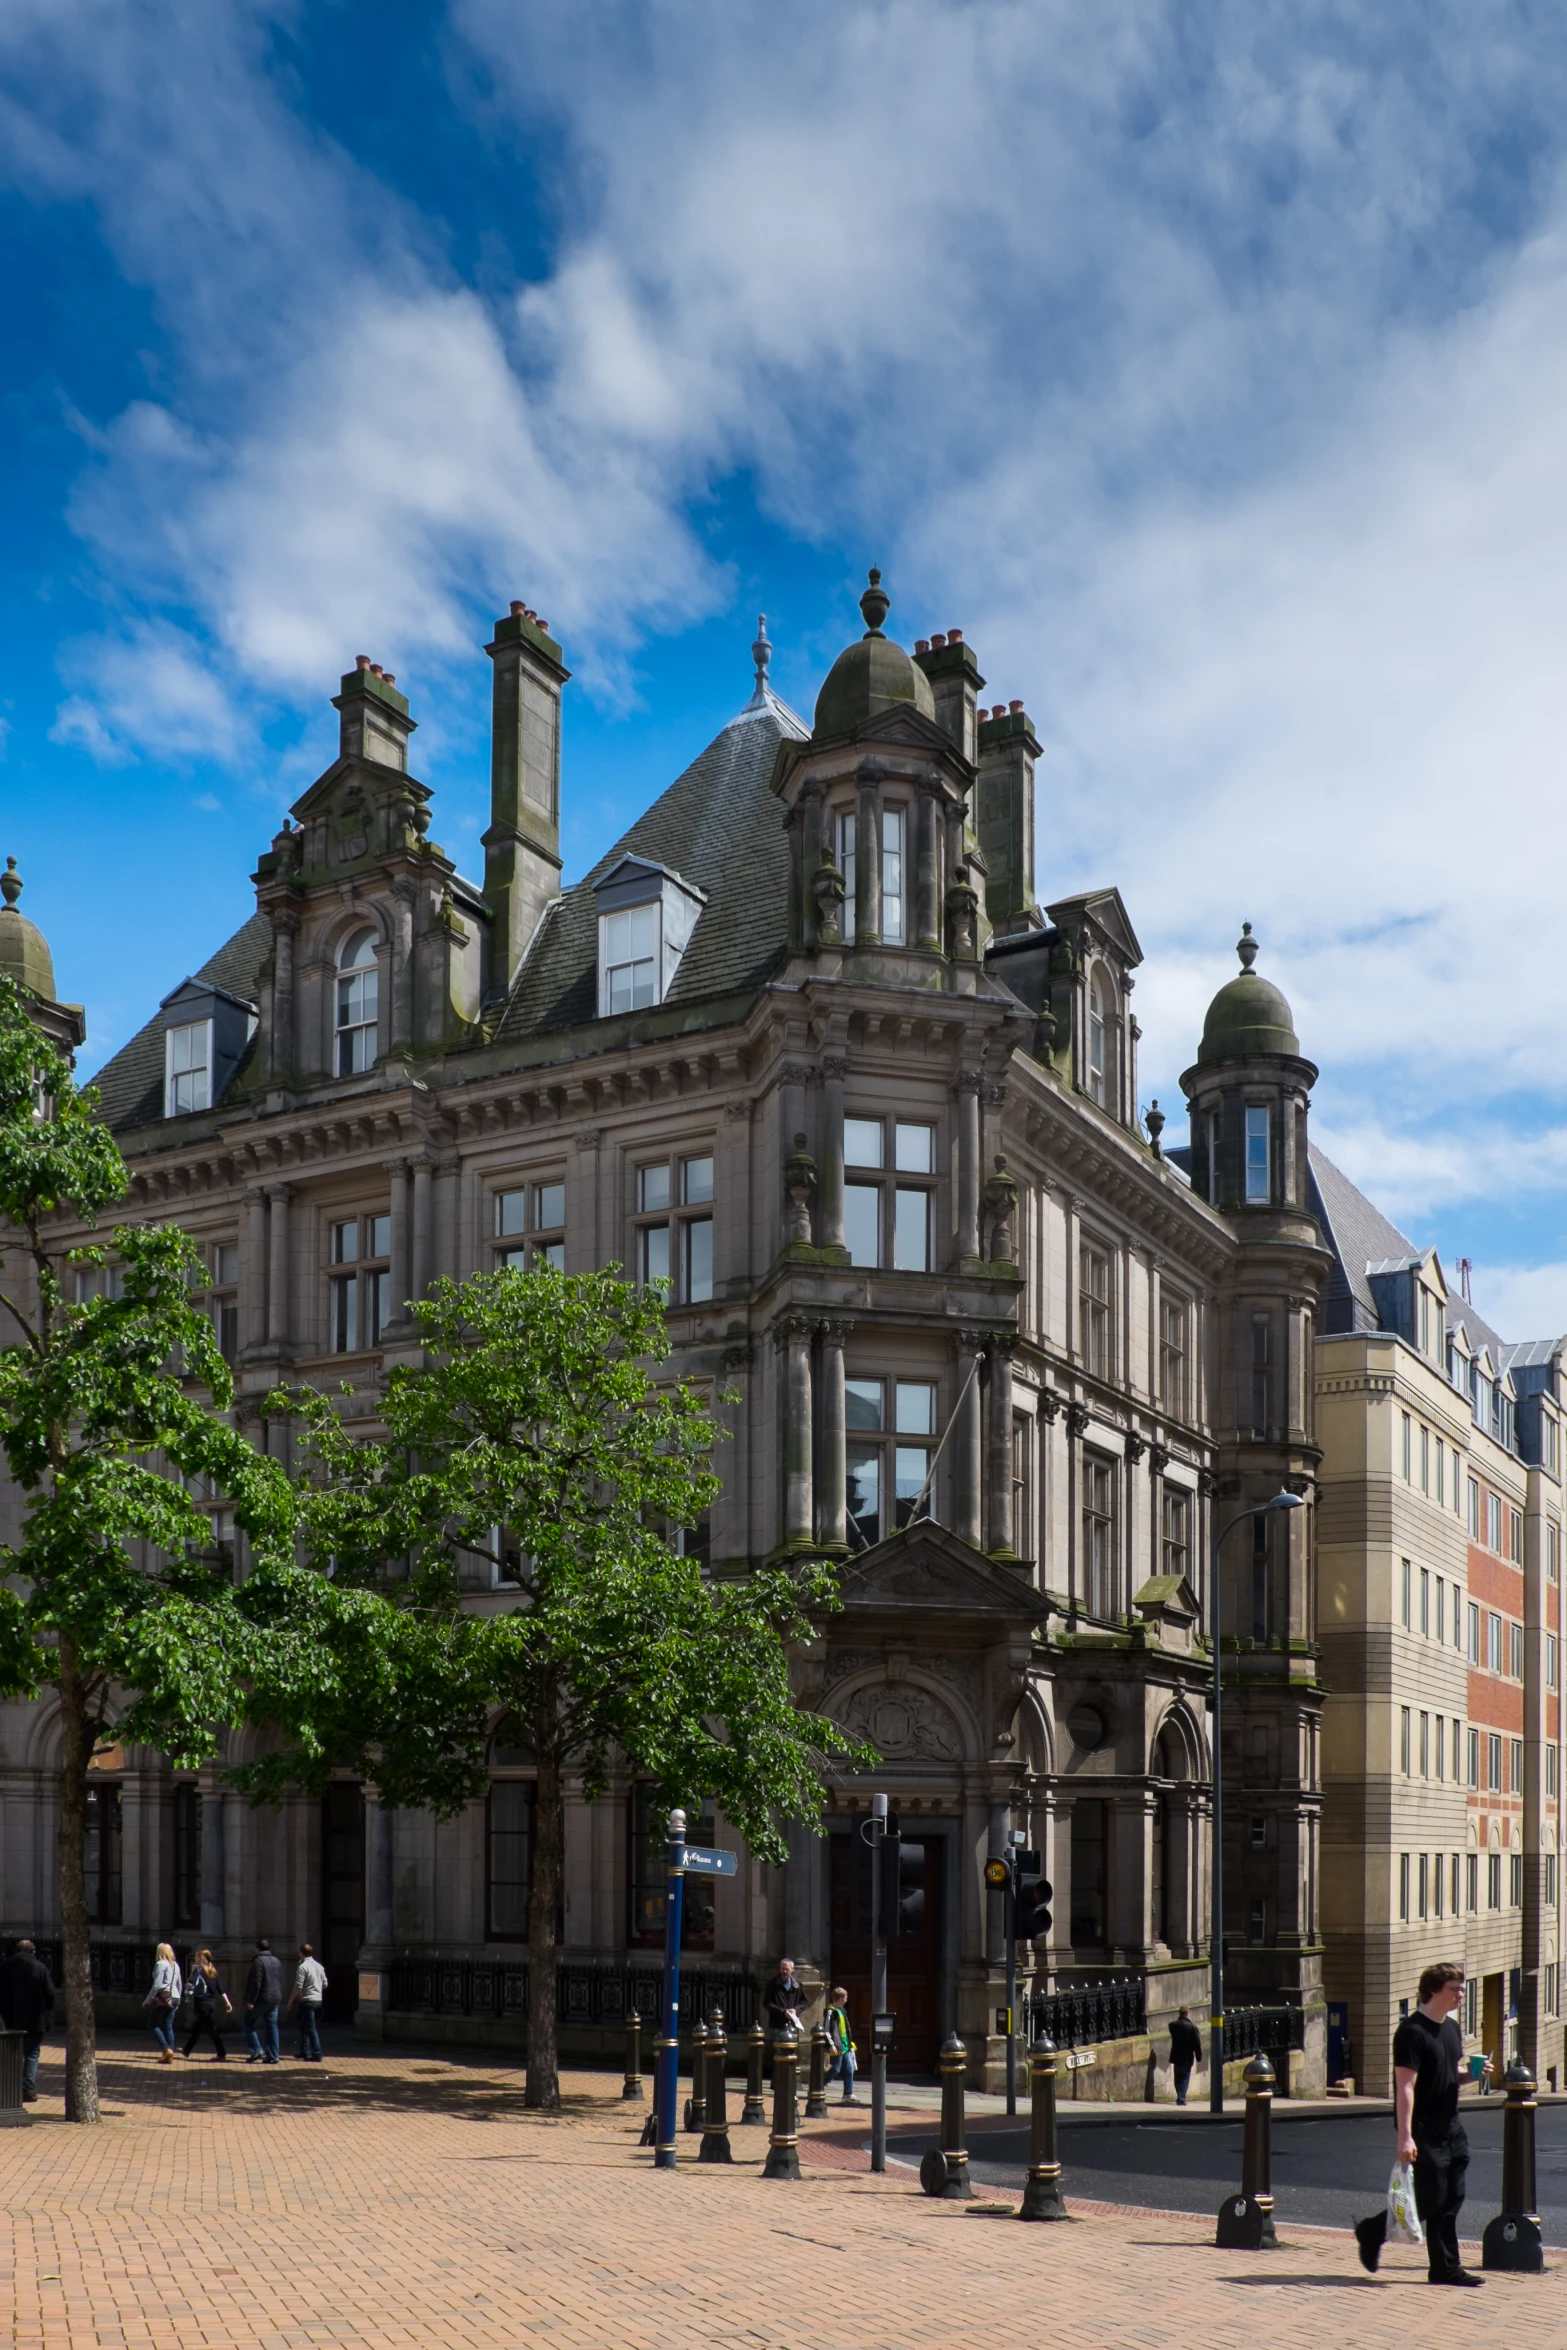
pixel 1087 1725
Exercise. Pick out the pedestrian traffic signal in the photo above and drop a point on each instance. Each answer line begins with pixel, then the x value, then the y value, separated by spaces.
pixel 1031 1898
pixel 997 1875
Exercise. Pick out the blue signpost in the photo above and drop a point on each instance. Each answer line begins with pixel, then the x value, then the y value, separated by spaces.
pixel 666 2080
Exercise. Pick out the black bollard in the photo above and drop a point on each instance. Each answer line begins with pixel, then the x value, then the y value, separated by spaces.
pixel 783 2150
pixel 715 2129
pixel 1042 2197
pixel 756 2049
pixel 696 2103
pixel 1512 2239
pixel 631 2086
pixel 1246 2219
pixel 816 2095
pixel 944 2169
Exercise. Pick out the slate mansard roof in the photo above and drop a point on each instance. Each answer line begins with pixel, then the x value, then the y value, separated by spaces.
pixel 1363 1241
pixel 718 825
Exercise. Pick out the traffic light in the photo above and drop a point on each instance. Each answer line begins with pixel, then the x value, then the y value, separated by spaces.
pixel 1030 1898
pixel 887 1861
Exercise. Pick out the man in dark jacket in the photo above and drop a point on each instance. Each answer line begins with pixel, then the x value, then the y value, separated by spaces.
pixel 27 2004
pixel 1185 2051
pixel 783 1998
pixel 263 1998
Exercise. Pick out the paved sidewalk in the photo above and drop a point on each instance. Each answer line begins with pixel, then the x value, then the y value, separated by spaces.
pixel 409 2202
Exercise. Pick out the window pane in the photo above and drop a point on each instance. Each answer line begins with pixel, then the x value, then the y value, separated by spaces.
pixel 1258 1186
pixel 225 1320
pixel 345 1243
pixel 697 1181
pixel 911 1232
pixel 653 1187
pixel 549 1206
pixel 847 867
pixel 345 1316
pixel 378 1311
pixel 378 1236
pixel 862 1403
pixel 914 1149
pixel 699 1259
pixel 510 1858
pixel 551 1253
pixel 517 1258
pixel 892 876
pixel 864 1495
pixel 915 1410
pixel 861 1222
pixel 862 1142
pixel 910 1464
pixel 225 1265
pixel 655 1253
pixel 509 1207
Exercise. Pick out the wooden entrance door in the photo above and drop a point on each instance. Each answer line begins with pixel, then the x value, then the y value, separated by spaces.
pixel 342 1895
pixel 913 1959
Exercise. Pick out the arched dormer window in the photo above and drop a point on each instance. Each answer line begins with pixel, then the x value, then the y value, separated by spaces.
pixel 358 1003
pixel 1101 1041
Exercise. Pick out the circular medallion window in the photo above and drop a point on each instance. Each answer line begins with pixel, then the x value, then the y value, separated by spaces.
pixel 1087 1725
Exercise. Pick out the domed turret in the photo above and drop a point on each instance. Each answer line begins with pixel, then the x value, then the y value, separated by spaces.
pixel 1249 1017
pixel 24 951
pixel 871 676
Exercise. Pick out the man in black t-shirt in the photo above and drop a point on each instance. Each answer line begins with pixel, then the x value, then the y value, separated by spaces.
pixel 1428 2054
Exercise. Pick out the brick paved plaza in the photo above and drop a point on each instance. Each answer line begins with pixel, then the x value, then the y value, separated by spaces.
pixel 407 2200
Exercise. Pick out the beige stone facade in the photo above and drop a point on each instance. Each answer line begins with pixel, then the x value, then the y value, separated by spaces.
pixel 804 1043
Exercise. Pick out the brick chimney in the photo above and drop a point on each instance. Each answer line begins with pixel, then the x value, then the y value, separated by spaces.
pixel 522 845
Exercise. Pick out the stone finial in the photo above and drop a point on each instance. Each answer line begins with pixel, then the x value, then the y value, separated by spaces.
pixel 1154 1121
pixel 10 884
pixel 828 891
pixel 1246 947
pixel 761 652
pixel 875 604
pixel 998 1206
pixel 799 1182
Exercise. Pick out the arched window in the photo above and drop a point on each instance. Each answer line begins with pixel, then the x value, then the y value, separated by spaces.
pixel 358 1003
pixel 1101 1041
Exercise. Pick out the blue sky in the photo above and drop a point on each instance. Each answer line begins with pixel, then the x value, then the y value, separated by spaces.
pixel 1204 362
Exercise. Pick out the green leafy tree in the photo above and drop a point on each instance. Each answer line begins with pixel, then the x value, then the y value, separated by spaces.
pixel 538 1439
pixel 111 1416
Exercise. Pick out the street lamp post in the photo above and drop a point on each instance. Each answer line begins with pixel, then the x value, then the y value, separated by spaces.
pixel 1280 1501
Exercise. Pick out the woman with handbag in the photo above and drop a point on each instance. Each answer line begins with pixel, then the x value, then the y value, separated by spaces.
pixel 206 1990
pixel 163 2000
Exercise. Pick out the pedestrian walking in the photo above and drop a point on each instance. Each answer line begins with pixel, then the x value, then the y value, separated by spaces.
pixel 784 1997
pixel 1185 2051
pixel 207 1995
pixel 1428 2055
pixel 309 1984
pixel 162 2001
pixel 27 2005
pixel 840 2044
pixel 263 1998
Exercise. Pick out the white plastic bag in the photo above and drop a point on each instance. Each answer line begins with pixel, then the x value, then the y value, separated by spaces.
pixel 1403 2220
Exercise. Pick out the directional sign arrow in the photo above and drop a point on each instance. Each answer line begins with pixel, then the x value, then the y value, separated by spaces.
pixel 705 1863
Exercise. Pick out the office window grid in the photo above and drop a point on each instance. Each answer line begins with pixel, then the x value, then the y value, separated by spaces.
pixel 888 1212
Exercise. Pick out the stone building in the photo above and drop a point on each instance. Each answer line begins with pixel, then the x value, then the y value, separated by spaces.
pixel 1439 1534
pixel 803 1044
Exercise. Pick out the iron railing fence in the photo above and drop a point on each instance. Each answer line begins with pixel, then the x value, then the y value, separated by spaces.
pixel 116 1966
pixel 584 1994
pixel 1264 2031
pixel 1097 2011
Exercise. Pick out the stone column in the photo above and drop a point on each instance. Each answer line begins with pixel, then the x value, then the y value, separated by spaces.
pixel 402 1282
pixel 794 1339
pixel 867 870
pixel 444 1244
pixel 402 1007
pixel 927 874
pixel 424 1168
pixel 810 859
pixel 1002 1531
pixel 279 1267
pixel 212 1910
pixel 256 1270
pixel 965 1439
pixel 829 1195
pixel 378 1872
pixel 283 935
pixel 968 1089
pixel 995 1903
pixel 834 1533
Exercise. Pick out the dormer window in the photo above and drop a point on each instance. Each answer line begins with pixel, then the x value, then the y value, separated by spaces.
pixel 358 1003
pixel 646 917
pixel 187 1068
pixel 1099 1024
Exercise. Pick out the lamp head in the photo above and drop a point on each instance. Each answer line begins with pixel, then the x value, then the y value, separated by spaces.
pixel 1285 1501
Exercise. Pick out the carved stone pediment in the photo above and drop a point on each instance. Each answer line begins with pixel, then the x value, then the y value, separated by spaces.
pixel 903 1723
pixel 1168 1606
pixel 927 1567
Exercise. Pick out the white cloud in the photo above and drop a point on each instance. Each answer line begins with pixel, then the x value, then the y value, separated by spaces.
pixel 150 685
pixel 1522 1301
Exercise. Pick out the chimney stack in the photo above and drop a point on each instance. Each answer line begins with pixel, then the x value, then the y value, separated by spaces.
pixel 373 720
pixel 522 846
pixel 955 681
pixel 1004 818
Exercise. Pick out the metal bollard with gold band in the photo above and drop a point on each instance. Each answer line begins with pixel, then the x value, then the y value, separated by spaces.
pixel 1246 2219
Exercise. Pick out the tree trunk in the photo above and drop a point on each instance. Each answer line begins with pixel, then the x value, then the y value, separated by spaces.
pixel 76 1744
pixel 543 2089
